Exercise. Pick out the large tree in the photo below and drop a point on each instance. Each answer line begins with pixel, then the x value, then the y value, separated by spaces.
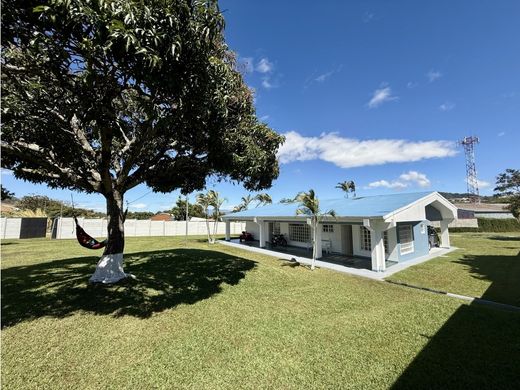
pixel 100 96
pixel 508 184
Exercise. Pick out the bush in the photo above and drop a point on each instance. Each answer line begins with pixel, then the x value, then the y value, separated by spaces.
pixel 498 225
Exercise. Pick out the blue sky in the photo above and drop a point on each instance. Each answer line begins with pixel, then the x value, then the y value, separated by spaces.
pixel 364 90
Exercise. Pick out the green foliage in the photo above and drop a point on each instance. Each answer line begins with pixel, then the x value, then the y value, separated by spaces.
pixel 508 184
pixel 262 199
pixel 100 96
pixel 139 215
pixel 491 225
pixel 6 194
pixel 179 210
pixel 347 186
pixel 54 208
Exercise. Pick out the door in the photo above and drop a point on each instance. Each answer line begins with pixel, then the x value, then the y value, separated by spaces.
pixel 346 239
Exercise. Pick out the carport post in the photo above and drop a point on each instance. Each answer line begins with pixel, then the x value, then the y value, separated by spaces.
pixel 262 232
pixel 445 234
pixel 228 230
pixel 376 244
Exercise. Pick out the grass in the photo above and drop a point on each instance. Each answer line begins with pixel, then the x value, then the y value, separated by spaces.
pixel 216 317
pixel 487 265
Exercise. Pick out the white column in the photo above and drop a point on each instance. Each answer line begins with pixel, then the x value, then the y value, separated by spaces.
pixel 378 250
pixel 319 250
pixel 228 230
pixel 263 233
pixel 445 234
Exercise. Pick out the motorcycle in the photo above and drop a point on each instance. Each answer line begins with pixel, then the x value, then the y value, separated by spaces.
pixel 278 239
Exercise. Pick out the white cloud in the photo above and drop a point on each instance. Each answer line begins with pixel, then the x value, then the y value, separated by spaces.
pixel 380 96
pixel 267 84
pixel 411 84
pixel 247 63
pixel 263 118
pixel 322 77
pixel 396 185
pixel 501 134
pixel 433 75
pixel 368 17
pixel 138 206
pixel 264 66
pixel 404 181
pixel 416 177
pixel 349 152
pixel 447 106
pixel 483 184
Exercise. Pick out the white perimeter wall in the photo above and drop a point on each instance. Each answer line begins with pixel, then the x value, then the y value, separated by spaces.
pixel 142 228
pixel 10 227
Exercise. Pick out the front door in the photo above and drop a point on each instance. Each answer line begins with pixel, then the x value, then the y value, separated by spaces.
pixel 346 239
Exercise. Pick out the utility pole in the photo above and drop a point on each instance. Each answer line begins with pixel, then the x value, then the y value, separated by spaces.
pixel 468 144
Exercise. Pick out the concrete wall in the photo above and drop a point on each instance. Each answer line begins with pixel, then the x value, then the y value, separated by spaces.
pixel 467 223
pixel 65 228
pixel 23 228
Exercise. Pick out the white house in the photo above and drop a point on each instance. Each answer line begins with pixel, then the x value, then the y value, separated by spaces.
pixel 381 228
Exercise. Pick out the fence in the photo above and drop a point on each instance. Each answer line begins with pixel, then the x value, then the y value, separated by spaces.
pixel 23 227
pixel 460 223
pixel 63 228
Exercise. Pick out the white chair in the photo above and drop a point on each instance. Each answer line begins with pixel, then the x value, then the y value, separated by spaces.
pixel 326 246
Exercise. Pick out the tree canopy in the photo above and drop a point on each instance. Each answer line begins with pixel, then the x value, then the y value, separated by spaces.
pixel 100 96
pixel 508 184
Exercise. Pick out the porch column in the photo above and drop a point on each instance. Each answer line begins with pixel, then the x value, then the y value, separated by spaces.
pixel 262 233
pixel 445 234
pixel 377 245
pixel 319 250
pixel 228 230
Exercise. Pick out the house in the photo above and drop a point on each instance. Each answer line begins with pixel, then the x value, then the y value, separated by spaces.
pixel 380 228
pixel 161 217
pixel 484 210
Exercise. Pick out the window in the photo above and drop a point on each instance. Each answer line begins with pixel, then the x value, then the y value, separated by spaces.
pixel 328 228
pixel 365 239
pixel 276 228
pixel 299 232
pixel 385 241
pixel 406 239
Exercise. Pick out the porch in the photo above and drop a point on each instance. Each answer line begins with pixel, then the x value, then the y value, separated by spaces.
pixel 355 262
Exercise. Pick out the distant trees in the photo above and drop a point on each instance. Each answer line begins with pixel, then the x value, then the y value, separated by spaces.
pixel 211 200
pixel 310 205
pixel 262 199
pixel 347 186
pixel 179 210
pixel 53 208
pixel 508 184
pixel 6 194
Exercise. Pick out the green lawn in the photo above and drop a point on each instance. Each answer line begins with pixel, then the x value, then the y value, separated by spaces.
pixel 211 317
pixel 487 265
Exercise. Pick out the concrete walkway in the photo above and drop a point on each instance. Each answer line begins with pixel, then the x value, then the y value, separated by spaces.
pixel 435 252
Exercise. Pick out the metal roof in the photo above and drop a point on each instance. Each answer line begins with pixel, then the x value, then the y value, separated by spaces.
pixel 363 206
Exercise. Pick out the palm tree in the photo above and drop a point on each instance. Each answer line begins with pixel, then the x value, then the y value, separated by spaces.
pixel 204 201
pixel 216 203
pixel 244 204
pixel 263 199
pixel 347 186
pixel 310 205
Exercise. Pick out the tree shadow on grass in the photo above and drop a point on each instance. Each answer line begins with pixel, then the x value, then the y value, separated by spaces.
pixel 502 271
pixel 477 348
pixel 165 279
pixel 505 238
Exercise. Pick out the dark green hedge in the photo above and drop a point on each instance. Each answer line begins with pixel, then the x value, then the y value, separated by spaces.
pixel 490 225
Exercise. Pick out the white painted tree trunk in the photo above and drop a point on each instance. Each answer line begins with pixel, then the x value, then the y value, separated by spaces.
pixel 109 269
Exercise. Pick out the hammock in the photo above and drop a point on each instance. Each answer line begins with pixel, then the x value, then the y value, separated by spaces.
pixel 85 240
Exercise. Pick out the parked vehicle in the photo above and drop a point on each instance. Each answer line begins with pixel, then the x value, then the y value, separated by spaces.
pixel 433 238
pixel 278 239
pixel 246 236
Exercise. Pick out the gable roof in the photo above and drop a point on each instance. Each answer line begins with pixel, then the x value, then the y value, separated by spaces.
pixel 359 207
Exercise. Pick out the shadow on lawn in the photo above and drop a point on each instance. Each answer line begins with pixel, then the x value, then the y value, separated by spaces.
pixel 165 279
pixel 505 238
pixel 478 347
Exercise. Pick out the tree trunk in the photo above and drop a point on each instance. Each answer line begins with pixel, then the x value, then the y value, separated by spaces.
pixel 110 267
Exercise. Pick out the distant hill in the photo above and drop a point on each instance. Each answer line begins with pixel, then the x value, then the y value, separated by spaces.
pixel 465 197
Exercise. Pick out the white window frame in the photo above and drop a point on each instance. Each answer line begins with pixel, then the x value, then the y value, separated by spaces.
pixel 406 241
pixel 365 239
pixel 328 228
pixel 299 232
